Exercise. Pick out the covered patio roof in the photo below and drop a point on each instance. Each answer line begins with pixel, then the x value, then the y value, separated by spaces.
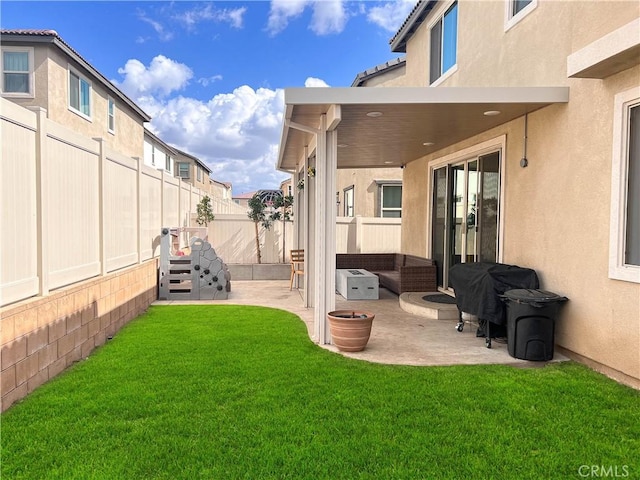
pixel 410 121
pixel 377 127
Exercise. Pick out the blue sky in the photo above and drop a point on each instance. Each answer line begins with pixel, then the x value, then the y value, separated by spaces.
pixel 211 74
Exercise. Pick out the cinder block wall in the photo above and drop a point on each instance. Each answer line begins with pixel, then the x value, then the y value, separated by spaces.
pixel 40 337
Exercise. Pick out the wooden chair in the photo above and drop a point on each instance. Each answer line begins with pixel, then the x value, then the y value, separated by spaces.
pixel 297 264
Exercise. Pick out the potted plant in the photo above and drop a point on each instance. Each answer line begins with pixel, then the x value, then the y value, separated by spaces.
pixel 350 329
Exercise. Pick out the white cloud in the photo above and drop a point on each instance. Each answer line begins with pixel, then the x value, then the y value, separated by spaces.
pixel 282 11
pixel 236 134
pixel 163 35
pixel 206 81
pixel 315 82
pixel 190 18
pixel 328 17
pixel 391 14
pixel 162 77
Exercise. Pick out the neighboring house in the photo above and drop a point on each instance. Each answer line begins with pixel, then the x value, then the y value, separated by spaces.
pixel 158 154
pixel 286 187
pixel 243 199
pixel 221 190
pixel 39 69
pixel 192 170
pixel 518 136
pixel 391 73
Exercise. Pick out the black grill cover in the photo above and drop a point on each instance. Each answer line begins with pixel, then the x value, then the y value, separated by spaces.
pixel 478 287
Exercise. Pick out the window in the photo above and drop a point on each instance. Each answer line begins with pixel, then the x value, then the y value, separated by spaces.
pixel 624 245
pixel 199 173
pixel 79 94
pixel 183 170
pixel 153 155
pixel 17 70
pixel 391 201
pixel 111 115
pixel 348 202
pixel 516 10
pixel 444 40
pixel 167 162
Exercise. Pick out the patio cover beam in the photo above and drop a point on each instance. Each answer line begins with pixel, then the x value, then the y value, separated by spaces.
pixel 411 117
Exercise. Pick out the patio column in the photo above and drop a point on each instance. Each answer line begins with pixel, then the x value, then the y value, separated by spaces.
pixel 325 230
pixel 305 232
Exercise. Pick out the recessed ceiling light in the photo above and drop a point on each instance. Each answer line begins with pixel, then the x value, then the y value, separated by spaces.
pixel 428 144
pixel 374 114
pixel 492 113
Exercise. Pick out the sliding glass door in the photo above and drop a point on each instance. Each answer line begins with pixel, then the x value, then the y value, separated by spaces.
pixel 465 216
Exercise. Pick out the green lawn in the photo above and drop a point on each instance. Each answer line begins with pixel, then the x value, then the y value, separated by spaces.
pixel 227 392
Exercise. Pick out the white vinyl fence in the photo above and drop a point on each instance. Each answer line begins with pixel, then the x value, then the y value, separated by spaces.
pixel 233 238
pixel 368 235
pixel 73 209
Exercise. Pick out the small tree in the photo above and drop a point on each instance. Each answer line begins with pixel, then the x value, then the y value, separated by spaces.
pixel 283 211
pixel 258 214
pixel 205 213
pixel 266 207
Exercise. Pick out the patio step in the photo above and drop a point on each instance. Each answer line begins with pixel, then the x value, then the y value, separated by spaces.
pixel 412 302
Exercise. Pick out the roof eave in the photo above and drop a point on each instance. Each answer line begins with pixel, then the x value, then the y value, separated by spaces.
pixel 399 41
pixel 55 39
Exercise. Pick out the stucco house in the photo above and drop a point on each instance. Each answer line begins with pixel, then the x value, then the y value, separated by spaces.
pixel 529 120
pixel 158 154
pixel 221 190
pixel 39 69
pixel 192 170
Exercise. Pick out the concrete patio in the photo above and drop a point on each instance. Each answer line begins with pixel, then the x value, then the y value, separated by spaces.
pixel 397 337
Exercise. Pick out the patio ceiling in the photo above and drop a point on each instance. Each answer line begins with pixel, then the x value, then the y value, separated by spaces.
pixel 410 117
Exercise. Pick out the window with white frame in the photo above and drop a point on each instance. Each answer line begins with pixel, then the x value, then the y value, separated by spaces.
pixel 516 10
pixel 79 94
pixel 111 114
pixel 624 245
pixel 390 200
pixel 167 162
pixel 183 170
pixel 444 44
pixel 199 173
pixel 348 202
pixel 17 71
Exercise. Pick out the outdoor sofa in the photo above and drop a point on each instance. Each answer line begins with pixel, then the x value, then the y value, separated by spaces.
pixel 396 271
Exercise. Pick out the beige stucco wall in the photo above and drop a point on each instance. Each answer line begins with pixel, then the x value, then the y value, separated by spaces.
pixel 51 93
pixel 393 78
pixel 129 132
pixel 556 216
pixel 366 191
pixel 556 211
pixel 532 53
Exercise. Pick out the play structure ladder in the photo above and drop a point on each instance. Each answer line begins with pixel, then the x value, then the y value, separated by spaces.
pixel 201 275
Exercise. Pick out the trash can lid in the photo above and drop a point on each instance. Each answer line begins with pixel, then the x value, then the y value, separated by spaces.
pixel 531 295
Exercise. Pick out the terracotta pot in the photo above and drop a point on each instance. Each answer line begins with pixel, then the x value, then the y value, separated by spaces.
pixel 350 329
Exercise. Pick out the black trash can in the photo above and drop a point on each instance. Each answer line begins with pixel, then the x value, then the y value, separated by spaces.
pixel 531 317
